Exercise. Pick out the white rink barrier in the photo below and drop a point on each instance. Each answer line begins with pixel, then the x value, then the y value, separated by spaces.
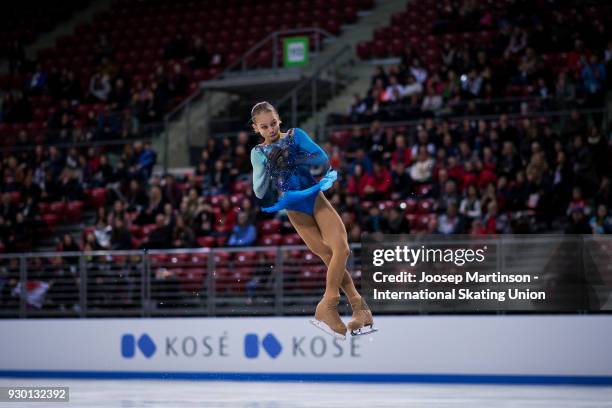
pixel 537 349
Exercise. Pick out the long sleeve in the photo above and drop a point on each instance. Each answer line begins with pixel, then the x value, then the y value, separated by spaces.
pixel 317 155
pixel 261 182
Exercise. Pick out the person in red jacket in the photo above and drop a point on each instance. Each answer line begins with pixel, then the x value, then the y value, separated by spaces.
pixel 382 182
pixel 361 183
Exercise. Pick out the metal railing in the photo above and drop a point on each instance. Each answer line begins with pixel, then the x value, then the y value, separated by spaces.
pixel 325 79
pixel 273 41
pixel 200 282
pixel 282 280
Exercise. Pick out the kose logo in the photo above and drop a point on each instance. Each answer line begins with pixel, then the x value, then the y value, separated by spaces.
pixel 269 343
pixel 129 344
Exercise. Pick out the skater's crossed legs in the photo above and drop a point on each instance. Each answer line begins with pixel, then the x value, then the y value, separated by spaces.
pixel 309 229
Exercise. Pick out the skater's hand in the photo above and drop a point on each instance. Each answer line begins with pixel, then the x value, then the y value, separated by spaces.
pixel 278 156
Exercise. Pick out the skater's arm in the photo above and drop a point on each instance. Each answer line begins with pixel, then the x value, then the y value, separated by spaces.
pixel 316 156
pixel 260 180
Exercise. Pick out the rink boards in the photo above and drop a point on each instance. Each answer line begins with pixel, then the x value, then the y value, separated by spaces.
pixel 463 349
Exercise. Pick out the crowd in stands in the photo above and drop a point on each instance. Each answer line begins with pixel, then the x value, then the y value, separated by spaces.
pixel 475 58
pixel 136 60
pixel 440 175
pixel 480 177
pixel 54 105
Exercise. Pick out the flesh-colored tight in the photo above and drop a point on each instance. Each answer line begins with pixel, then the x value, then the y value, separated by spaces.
pixel 325 235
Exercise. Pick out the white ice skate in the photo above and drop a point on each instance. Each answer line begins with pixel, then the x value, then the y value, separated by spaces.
pixel 328 319
pixel 362 322
pixel 323 326
pixel 362 331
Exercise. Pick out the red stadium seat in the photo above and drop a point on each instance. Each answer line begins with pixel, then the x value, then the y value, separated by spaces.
pixel 96 197
pixel 50 221
pixel 147 229
pixel 206 242
pixel 271 239
pixel 74 211
pixel 292 239
pixel 136 231
pixel 270 226
pixel 193 279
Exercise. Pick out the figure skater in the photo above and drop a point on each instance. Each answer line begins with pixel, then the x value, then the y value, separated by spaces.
pixel 282 180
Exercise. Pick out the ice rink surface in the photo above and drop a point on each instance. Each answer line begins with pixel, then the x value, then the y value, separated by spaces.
pixel 241 394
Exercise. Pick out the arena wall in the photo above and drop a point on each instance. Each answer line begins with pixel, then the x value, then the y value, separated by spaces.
pixel 478 349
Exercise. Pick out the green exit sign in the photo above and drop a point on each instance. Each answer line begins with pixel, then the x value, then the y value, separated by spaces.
pixel 295 51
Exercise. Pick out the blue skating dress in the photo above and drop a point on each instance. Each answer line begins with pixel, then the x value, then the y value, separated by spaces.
pixel 287 183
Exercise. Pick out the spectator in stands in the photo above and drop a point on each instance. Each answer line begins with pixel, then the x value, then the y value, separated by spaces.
pixel 360 183
pixel 381 188
pixel 156 206
pixel 418 71
pixel 395 222
pixel 118 212
pixel 601 222
pixel 578 223
pixel 450 195
pixel 494 222
pixel 394 90
pixel 203 220
pixel 217 181
pixel 432 101
pixel 136 198
pixel 99 87
pixel 450 222
pixel 243 233
pixel 577 201
pixel 565 90
pixel 413 87
pixel 421 170
pixel 38 81
pixel 120 238
pixel 143 160
pixel 375 223
pixel 354 234
pixel 102 234
pixel 199 57
pixel 119 97
pixel 171 192
pixel 470 205
pixel 178 84
pixel 8 210
pixel 401 181
pixel 226 219
pixel 161 236
pixel 509 161
pixel 604 193
pixel 401 153
pixel 70 188
pixel 594 79
pixel 182 235
pixel 518 41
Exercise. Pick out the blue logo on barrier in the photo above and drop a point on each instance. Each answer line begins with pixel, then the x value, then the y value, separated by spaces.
pixel 129 344
pixel 269 343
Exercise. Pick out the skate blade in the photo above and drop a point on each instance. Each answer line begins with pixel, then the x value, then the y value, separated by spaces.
pixel 362 331
pixel 323 326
